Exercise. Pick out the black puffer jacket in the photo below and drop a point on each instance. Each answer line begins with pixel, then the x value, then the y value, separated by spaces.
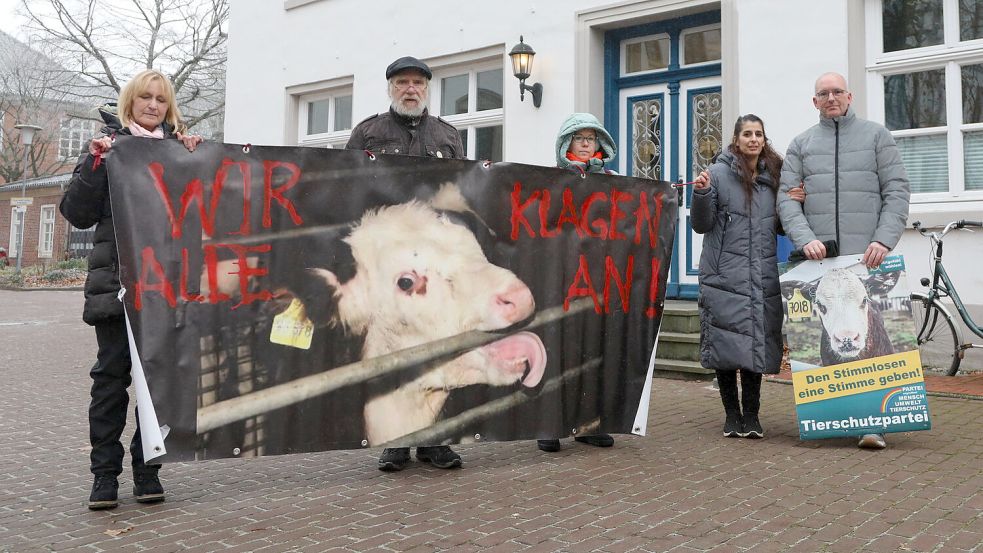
pixel 740 296
pixel 86 203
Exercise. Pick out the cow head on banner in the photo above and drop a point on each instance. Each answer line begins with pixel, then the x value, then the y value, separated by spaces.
pixel 411 274
pixel 853 328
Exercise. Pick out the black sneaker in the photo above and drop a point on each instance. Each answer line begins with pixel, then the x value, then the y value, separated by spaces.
pixel 597 440
pixel 548 445
pixel 147 487
pixel 752 428
pixel 104 492
pixel 733 426
pixel 394 458
pixel 439 456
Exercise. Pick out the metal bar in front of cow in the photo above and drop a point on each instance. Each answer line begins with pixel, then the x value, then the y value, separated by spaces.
pixel 438 432
pixel 282 395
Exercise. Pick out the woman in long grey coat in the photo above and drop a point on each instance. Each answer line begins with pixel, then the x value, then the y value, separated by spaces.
pixel 740 298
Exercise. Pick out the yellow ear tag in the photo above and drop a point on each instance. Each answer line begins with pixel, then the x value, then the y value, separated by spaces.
pixel 799 307
pixel 292 327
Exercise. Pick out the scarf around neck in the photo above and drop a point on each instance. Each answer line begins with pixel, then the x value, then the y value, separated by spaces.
pixel 594 165
pixel 137 130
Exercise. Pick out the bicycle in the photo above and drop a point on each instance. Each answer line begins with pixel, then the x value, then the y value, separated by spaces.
pixel 940 337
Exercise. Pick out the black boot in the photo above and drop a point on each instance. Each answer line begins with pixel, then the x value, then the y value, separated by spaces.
pixel 146 486
pixel 104 492
pixel 727 380
pixel 751 398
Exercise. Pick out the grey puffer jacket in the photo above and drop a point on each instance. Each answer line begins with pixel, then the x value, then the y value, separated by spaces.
pixel 856 186
pixel 740 297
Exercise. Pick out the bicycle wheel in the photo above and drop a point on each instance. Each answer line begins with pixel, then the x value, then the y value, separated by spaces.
pixel 936 335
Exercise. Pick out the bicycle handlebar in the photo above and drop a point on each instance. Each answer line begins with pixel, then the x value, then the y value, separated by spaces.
pixel 962 223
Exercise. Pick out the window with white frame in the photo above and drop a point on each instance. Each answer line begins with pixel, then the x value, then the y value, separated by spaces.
pixel 470 98
pixel 325 118
pixel 16 228
pixel 700 45
pixel 645 54
pixel 74 133
pixel 925 78
pixel 46 234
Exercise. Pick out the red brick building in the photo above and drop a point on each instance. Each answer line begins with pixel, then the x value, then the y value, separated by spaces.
pixel 48 237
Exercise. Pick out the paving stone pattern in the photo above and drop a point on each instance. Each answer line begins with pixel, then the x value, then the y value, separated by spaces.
pixel 682 488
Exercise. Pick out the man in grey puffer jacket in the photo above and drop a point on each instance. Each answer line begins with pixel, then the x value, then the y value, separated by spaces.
pixel 856 186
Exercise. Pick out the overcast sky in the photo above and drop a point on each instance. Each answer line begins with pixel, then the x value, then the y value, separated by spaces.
pixel 8 22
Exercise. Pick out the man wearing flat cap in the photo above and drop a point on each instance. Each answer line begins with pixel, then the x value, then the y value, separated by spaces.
pixel 408 129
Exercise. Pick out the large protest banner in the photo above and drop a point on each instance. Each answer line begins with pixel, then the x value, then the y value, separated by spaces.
pixel 851 336
pixel 297 299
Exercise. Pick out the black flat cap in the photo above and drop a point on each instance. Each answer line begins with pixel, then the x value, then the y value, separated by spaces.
pixel 408 63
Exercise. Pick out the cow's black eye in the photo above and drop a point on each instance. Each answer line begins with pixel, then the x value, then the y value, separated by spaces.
pixel 405 283
pixel 822 308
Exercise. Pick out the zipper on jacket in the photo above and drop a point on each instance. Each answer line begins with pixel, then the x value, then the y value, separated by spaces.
pixel 723 237
pixel 836 180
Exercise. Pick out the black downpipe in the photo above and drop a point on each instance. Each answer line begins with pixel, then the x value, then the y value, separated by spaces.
pixel 836 180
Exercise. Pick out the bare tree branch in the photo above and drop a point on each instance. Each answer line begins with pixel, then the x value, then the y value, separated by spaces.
pixel 109 41
pixel 30 86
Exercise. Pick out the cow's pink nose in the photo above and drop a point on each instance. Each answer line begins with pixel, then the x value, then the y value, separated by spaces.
pixel 515 304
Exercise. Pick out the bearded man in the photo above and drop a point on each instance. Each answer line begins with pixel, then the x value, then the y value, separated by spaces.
pixel 408 128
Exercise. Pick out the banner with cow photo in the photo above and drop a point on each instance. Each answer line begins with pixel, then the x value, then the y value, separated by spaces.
pixel 851 336
pixel 287 299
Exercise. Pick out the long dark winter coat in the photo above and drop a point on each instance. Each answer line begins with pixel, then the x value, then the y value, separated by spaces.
pixel 740 297
pixel 86 203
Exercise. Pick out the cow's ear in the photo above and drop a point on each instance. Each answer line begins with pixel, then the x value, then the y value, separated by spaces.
pixel 449 198
pixel 789 286
pixel 316 290
pixel 451 202
pixel 320 296
pixel 881 284
pixel 341 303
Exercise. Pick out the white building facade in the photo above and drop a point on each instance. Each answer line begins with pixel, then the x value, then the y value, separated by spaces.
pixel 667 77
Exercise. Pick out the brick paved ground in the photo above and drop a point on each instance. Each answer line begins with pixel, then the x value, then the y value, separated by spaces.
pixel 682 488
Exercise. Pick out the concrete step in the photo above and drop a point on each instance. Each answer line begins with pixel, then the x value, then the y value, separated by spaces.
pixel 685 337
pixel 684 346
pixel 681 316
pixel 683 370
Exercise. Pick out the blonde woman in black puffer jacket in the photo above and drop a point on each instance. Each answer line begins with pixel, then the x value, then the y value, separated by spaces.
pixel 147 109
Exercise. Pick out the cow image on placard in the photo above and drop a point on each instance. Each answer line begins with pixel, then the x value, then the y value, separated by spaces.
pixel 857 314
pixel 411 274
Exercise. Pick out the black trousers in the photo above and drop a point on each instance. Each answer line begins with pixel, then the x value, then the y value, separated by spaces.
pixel 107 410
pixel 750 392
